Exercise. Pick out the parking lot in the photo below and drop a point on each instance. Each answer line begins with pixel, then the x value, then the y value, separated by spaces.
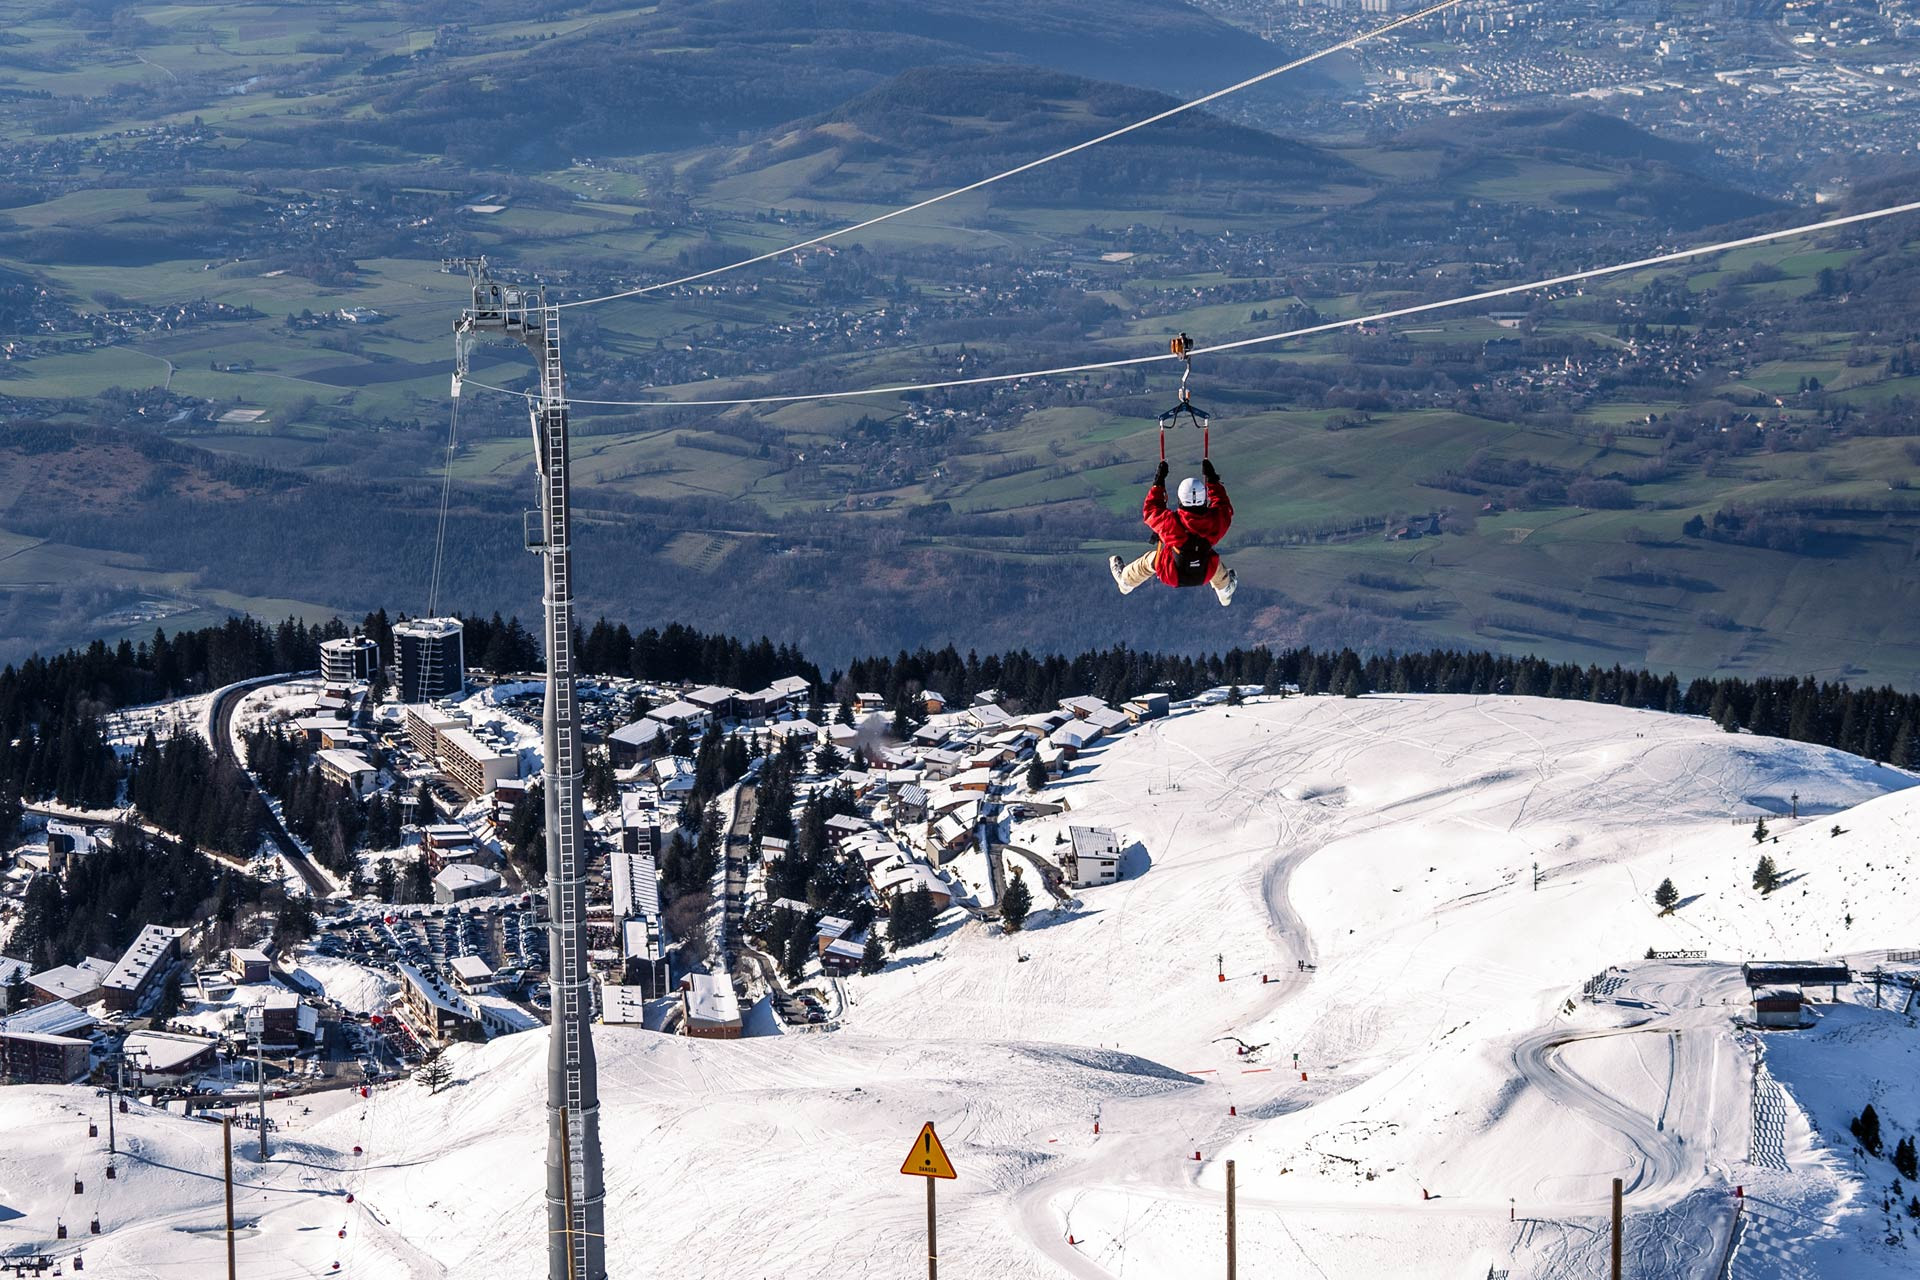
pixel 511 939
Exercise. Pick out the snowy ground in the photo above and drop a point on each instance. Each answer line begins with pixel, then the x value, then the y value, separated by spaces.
pixel 1388 843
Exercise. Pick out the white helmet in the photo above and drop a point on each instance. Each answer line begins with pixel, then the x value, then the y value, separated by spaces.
pixel 1193 492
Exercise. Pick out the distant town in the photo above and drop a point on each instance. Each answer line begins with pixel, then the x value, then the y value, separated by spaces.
pixel 754 851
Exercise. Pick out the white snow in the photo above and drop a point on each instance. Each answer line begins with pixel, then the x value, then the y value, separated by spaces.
pixel 1387 841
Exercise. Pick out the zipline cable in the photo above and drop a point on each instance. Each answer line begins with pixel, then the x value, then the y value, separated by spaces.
pixel 1349 43
pixel 446 495
pixel 1422 308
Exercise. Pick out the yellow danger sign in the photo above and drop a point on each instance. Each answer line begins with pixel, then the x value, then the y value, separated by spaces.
pixel 928 1159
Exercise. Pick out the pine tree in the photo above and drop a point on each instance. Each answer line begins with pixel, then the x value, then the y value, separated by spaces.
pixel 874 957
pixel 1234 696
pixel 1015 904
pixel 1037 776
pixel 1759 830
pixel 1766 876
pixel 1666 896
pixel 168 1004
pixel 1905 1160
pixel 434 1070
pixel 1866 1130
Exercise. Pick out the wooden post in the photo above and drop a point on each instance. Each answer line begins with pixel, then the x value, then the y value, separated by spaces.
pixel 1614 1272
pixel 1232 1255
pixel 933 1252
pixel 566 1185
pixel 226 1134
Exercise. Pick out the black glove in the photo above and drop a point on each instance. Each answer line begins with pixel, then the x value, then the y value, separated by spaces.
pixel 1160 475
pixel 1206 469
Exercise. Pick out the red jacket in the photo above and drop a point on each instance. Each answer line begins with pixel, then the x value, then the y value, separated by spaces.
pixel 1172 525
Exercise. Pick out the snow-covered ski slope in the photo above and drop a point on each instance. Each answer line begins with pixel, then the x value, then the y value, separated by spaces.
pixel 1389 843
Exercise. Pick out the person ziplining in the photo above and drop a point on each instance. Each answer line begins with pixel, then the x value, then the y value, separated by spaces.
pixel 1184 555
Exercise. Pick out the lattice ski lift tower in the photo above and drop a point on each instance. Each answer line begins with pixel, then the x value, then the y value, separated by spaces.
pixel 576 1199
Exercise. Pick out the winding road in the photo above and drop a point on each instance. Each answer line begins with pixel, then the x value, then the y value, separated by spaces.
pixel 220 721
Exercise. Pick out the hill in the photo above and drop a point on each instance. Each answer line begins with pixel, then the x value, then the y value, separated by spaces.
pixel 1373 857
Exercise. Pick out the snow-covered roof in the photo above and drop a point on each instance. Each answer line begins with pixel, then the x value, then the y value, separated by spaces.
pixel 71 981
pixel 674 712
pixel 710 1000
pixel 11 971
pixel 914 875
pixel 635 879
pixel 167 1051
pixel 347 762
pixel 152 943
pixel 639 733
pixel 464 875
pixel 712 695
pixel 54 1018
pixel 1094 842
pixel 470 968
pixel 622 1004
pixel 504 1015
pixel 847 948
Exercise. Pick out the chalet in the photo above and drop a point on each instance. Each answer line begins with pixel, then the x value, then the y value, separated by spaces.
pixel 939 763
pixel 843 956
pixel 933 701
pixel 911 804
pixel 946 837
pixel 338 735
pixel 682 715
pixel 461 881
pixel 1148 706
pixel 988 715
pixel 347 769
pixel 248 964
pixel 471 974
pixel 867 703
pixel 74 983
pixel 915 875
pixel 674 775
pixel 1092 857
pixel 841 737
pixel 979 781
pixel 1069 740
pixel 1108 720
pixel 842 826
pixel 169 1058
pixel 717 700
pixel 145 962
pixel 830 929
pixel 1083 707
pixel 284 1016
pixel 507 794
pixel 1779 1008
pixel 709 1007
pixel 69 843
pixel 638 742
pixel 805 731
pixel 639 824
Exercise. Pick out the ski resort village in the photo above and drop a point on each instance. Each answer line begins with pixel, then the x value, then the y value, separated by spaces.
pixel 1424 978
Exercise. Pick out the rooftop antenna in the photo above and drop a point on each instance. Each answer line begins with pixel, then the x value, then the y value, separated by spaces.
pixel 576 1199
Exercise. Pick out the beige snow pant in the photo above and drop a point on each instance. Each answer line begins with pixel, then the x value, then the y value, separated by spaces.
pixel 1141 571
